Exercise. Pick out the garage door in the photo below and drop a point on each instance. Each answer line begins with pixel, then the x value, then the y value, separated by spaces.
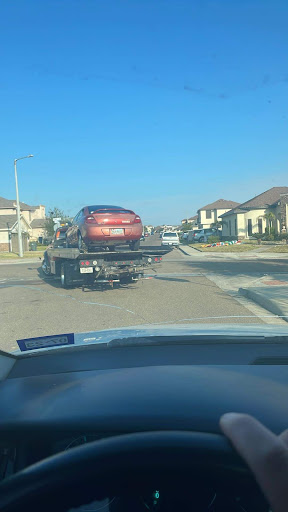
pixel 14 240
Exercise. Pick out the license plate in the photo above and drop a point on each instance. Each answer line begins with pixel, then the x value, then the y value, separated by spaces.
pixel 88 270
pixel 117 231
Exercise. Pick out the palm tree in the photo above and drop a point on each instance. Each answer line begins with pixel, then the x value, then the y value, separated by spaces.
pixel 270 217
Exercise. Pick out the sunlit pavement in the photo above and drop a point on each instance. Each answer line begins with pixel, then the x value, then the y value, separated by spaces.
pixel 180 290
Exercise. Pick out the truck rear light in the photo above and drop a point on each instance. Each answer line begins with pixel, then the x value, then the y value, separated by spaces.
pixel 90 220
pixel 87 263
pixel 137 219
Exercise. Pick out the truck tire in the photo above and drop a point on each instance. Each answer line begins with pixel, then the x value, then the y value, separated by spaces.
pixel 135 246
pixel 65 282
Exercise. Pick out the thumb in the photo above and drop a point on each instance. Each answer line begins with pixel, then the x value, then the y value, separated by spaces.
pixel 265 453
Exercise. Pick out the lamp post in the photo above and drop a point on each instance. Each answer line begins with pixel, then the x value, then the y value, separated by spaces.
pixel 20 247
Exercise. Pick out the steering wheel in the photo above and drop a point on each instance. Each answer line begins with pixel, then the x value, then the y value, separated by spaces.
pixel 105 467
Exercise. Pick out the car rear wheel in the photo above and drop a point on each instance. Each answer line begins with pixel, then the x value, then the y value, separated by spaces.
pixel 135 246
pixel 80 243
pixel 201 239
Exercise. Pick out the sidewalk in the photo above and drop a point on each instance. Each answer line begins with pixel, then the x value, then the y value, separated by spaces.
pixel 255 254
pixel 274 298
pixel 268 291
pixel 19 261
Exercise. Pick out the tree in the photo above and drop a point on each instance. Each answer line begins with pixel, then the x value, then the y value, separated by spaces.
pixel 270 218
pixel 187 226
pixel 49 222
pixel 218 224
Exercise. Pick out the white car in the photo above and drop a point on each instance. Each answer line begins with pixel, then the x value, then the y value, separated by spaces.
pixel 170 238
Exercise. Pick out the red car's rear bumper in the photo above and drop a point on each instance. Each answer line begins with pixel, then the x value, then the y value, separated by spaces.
pixel 105 234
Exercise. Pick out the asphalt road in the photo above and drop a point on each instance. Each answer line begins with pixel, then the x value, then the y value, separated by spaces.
pixel 177 291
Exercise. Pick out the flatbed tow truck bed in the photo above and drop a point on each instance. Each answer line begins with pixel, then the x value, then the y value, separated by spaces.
pixel 77 268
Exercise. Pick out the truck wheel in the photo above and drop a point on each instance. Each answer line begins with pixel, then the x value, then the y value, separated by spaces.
pixel 63 276
pixel 135 246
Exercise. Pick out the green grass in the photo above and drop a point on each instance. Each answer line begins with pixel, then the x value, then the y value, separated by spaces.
pixel 13 255
pixel 227 248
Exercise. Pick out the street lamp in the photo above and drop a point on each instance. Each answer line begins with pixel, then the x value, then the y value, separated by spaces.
pixel 20 247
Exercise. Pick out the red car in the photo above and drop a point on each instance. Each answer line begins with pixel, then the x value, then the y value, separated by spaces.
pixel 104 226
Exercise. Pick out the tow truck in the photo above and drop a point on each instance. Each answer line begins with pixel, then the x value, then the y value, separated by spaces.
pixel 87 269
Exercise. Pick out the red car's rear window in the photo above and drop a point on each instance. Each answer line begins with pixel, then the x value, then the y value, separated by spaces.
pixel 112 211
pixel 95 207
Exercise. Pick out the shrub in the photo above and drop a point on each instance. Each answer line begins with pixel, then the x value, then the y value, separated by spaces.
pixel 213 239
pixel 282 236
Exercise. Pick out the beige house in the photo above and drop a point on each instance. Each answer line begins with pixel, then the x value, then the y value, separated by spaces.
pixel 191 220
pixel 250 217
pixel 9 233
pixel 211 213
pixel 32 224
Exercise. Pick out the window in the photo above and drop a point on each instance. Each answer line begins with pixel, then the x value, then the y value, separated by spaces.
pixel 249 227
pixel 260 226
pixel 170 235
pixel 208 214
pixel 230 227
pixel 235 226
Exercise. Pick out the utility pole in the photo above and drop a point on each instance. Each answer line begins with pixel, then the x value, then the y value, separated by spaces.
pixel 20 246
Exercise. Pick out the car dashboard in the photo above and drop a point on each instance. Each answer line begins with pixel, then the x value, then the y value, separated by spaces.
pixel 55 401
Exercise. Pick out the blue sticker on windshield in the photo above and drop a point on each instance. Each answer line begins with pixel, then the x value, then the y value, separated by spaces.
pixel 57 340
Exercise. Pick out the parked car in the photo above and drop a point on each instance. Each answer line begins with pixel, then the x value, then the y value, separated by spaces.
pixel 191 235
pixel 170 238
pixel 104 226
pixel 202 235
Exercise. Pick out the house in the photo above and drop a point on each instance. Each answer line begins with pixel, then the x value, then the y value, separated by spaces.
pixel 251 217
pixel 32 224
pixel 211 213
pixel 191 220
pixel 9 233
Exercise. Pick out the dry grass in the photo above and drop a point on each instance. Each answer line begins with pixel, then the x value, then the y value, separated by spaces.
pixel 278 248
pixel 227 248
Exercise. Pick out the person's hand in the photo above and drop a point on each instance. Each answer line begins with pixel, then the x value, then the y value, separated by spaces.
pixel 265 453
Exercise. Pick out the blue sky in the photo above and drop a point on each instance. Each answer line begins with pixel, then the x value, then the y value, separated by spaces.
pixel 161 106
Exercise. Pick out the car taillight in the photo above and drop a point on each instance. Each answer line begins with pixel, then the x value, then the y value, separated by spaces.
pixel 137 219
pixel 90 220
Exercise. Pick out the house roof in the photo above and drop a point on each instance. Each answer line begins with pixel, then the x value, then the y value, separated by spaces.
pixel 38 223
pixel 220 204
pixel 7 221
pixel 10 203
pixel 268 198
pixel 193 218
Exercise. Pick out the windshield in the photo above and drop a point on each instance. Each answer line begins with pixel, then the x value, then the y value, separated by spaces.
pixel 177 110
